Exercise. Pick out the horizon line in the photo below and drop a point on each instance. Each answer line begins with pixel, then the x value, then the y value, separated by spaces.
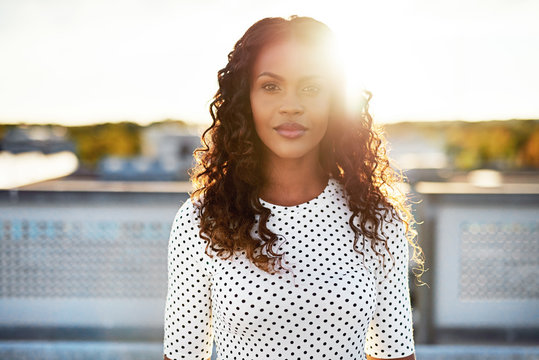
pixel 206 123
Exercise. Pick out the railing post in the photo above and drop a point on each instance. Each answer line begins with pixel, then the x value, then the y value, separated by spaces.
pixel 426 238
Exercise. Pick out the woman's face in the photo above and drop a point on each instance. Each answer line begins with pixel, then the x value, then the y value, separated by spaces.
pixel 290 98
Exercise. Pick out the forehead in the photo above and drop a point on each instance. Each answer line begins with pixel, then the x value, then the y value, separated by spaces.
pixel 291 58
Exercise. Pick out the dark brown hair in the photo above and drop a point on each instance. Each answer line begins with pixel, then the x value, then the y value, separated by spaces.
pixel 228 176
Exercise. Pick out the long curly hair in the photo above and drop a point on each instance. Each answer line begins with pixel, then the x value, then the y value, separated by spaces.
pixel 228 174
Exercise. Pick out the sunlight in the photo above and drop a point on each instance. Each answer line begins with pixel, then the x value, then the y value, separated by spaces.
pixel 31 167
pixel 363 58
pixel 411 74
pixel 420 60
pixel 355 84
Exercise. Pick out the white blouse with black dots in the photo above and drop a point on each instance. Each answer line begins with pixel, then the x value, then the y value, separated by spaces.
pixel 329 306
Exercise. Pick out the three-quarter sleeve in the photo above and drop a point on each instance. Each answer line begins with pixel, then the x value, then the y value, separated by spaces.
pixel 188 318
pixel 390 332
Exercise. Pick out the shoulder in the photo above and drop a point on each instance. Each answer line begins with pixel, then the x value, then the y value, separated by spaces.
pixel 392 223
pixel 187 214
pixel 184 233
pixel 389 222
pixel 392 242
pixel 392 229
pixel 188 208
pixel 337 195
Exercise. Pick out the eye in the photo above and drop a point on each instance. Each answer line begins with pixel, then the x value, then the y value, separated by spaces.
pixel 270 87
pixel 311 89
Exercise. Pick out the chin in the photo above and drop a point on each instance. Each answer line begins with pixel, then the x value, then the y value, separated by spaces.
pixel 291 156
pixel 290 152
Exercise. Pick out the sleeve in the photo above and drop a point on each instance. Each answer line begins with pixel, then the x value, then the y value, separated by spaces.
pixel 188 318
pixel 390 332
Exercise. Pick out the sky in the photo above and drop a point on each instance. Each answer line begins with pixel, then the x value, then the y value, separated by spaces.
pixel 77 62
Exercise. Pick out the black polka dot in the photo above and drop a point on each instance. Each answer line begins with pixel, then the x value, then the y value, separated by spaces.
pixel 332 303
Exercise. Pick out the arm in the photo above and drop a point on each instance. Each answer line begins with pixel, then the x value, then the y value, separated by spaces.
pixel 390 332
pixel 188 326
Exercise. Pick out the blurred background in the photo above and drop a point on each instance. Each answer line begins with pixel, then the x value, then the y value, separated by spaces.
pixel 103 102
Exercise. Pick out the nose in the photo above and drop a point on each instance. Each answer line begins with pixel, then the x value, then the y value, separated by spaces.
pixel 291 105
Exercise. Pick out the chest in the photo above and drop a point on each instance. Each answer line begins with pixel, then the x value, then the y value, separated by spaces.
pixel 327 281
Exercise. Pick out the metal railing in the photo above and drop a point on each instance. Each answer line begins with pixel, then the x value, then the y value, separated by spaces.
pixel 87 261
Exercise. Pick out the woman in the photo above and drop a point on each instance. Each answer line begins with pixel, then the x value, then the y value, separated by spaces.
pixel 294 243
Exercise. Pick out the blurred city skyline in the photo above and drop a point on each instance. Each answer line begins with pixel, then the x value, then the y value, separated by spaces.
pixel 83 62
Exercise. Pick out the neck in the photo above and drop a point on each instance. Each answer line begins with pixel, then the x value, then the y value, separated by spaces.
pixel 293 181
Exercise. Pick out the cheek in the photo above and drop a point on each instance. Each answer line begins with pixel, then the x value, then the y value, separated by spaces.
pixel 321 112
pixel 261 110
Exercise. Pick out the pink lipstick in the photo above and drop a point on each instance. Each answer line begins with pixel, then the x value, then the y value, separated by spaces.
pixel 290 130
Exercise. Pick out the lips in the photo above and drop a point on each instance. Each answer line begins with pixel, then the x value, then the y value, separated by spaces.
pixel 290 130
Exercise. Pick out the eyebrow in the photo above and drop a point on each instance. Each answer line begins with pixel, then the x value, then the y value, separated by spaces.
pixel 280 78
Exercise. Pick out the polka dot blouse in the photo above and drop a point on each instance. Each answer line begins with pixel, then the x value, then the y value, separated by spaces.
pixel 328 306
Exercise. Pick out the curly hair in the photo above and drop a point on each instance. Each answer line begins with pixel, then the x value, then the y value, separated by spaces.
pixel 228 174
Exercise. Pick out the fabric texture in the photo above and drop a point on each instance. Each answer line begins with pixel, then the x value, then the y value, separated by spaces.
pixel 335 303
